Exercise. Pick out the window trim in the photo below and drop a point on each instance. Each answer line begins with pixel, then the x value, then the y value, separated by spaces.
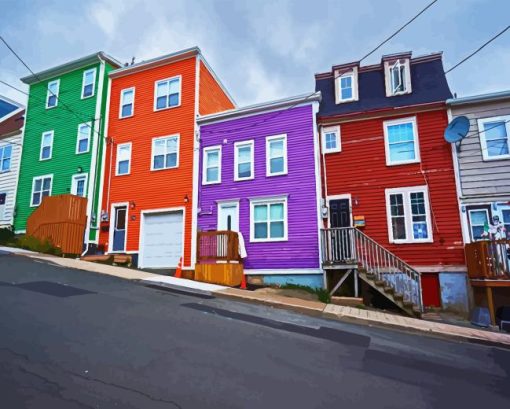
pixel 130 144
pixel 268 201
pixel 3 147
pixel 483 142
pixel 388 65
pixel 179 77
pixel 237 145
pixel 470 225
pixel 122 91
pixel 52 132
pixel 269 139
pixel 391 122
pixel 93 83
pixel 33 186
pixel 328 129
pixel 353 73
pixel 408 214
pixel 205 163
pixel 48 93
pixel 177 151
pixel 89 139
pixel 74 184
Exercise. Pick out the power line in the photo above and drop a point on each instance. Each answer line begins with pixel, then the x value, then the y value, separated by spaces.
pixel 478 49
pixel 399 30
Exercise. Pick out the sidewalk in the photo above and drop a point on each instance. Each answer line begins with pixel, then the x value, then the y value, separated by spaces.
pixel 341 313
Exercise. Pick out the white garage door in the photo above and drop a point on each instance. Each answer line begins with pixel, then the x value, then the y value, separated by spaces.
pixel 162 240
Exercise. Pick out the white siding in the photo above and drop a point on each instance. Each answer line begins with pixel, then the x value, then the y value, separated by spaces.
pixel 9 179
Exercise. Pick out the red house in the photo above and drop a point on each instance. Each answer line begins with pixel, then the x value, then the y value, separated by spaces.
pixel 388 171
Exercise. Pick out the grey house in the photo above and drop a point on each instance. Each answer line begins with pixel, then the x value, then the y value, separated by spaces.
pixel 483 165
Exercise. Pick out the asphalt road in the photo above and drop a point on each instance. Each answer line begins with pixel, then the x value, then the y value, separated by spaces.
pixel 74 339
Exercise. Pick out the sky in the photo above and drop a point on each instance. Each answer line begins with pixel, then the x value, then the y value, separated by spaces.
pixel 261 50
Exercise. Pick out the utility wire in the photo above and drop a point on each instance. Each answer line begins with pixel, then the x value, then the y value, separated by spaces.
pixel 399 30
pixel 478 49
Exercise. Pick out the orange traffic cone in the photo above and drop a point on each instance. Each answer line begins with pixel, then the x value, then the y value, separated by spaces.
pixel 178 270
pixel 243 282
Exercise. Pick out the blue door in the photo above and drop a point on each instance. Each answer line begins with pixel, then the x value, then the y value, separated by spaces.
pixel 119 229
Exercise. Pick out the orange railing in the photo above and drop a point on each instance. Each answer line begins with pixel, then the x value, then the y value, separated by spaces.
pixel 488 259
pixel 222 245
pixel 61 220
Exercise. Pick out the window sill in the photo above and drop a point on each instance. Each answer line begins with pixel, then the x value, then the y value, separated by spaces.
pixel 127 116
pixel 90 96
pixel 211 183
pixel 82 153
pixel 343 101
pixel 164 109
pixel 123 174
pixel 44 159
pixel 270 175
pixel 244 179
pixel 396 94
pixel 493 158
pixel 5 171
pixel 331 151
pixel 159 170
pixel 51 107
pixel 268 240
pixel 411 241
pixel 409 162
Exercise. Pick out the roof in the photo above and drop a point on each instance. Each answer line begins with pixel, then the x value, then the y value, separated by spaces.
pixel 428 83
pixel 7 106
pixel 259 108
pixel 490 97
pixel 12 123
pixel 70 66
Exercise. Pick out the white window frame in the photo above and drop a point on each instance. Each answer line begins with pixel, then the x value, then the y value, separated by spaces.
pixel 42 183
pixel 331 129
pixel 269 139
pixel 408 214
pixel 94 70
pixel 48 93
pixel 206 164
pixel 354 85
pixel 269 201
pixel 483 141
pixel 242 144
pixel 486 211
pixel 177 77
pixel 89 137
pixel 74 183
pixel 178 149
pixel 119 146
pixel 388 67
pixel 122 92
pixel 51 145
pixel 400 121
pixel 3 157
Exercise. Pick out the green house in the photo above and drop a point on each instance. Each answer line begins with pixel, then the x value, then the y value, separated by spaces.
pixel 63 140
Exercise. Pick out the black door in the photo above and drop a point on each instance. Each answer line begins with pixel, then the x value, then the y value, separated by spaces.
pixel 340 216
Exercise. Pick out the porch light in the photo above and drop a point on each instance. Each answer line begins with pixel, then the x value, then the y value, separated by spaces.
pixel 186 198
pixel 132 204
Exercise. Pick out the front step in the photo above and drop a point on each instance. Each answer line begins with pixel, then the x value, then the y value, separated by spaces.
pixel 389 292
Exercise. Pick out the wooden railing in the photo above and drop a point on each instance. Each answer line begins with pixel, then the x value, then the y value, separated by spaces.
pixel 61 220
pixel 350 246
pixel 221 245
pixel 488 259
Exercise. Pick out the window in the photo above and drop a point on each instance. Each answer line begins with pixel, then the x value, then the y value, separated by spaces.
pixel 123 159
pixel 276 155
pixel 331 139
pixel 89 82
pixel 127 102
pixel 79 185
pixel 52 94
pixel 211 172
pixel 243 161
pixel 401 141
pixel 495 137
pixel 165 152
pixel 41 187
pixel 168 93
pixel 46 145
pixel 346 84
pixel 397 77
pixel 479 221
pixel 506 221
pixel 83 142
pixel 408 215
pixel 269 220
pixel 5 158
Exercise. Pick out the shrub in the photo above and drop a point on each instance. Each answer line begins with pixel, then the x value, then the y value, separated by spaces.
pixel 6 236
pixel 40 246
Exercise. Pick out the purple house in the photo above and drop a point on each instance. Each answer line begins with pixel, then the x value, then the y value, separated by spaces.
pixel 260 176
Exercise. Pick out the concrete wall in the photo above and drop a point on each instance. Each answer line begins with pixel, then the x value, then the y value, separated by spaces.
pixel 454 292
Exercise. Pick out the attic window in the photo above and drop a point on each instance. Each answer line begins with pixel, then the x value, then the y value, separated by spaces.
pixel 398 78
pixel 346 85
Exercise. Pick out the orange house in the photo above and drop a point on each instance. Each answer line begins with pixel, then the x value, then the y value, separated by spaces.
pixel 150 185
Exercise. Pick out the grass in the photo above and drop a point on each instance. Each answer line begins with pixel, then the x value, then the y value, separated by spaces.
pixel 321 293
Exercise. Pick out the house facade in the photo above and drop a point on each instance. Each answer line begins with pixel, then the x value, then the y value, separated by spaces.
pixel 150 179
pixel 483 165
pixel 259 176
pixel 12 116
pixel 63 137
pixel 388 170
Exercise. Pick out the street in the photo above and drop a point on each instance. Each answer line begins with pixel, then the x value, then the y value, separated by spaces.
pixel 75 339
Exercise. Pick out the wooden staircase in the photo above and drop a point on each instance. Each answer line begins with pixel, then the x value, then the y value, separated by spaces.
pixel 349 249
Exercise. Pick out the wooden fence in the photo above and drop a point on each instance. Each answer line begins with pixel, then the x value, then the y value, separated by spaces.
pixel 60 219
pixel 222 245
pixel 488 260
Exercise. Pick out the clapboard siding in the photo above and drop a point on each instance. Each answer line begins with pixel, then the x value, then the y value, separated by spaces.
pixel 212 98
pixel 489 180
pixel 301 249
pixel 9 179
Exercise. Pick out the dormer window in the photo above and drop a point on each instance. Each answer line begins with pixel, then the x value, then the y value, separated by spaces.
pixel 398 77
pixel 346 85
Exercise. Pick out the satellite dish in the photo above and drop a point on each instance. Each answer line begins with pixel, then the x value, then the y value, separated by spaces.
pixel 457 130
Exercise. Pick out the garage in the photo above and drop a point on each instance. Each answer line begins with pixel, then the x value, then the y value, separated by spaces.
pixel 162 237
